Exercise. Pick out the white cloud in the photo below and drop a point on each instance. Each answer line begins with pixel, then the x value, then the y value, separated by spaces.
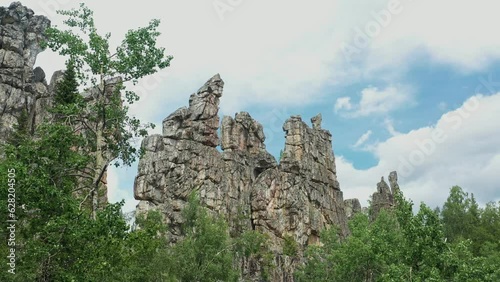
pixel 461 148
pixel 362 140
pixel 376 101
pixel 464 40
pixel 287 62
pixel 116 189
pixel 343 103
pixel 389 125
pixel 264 62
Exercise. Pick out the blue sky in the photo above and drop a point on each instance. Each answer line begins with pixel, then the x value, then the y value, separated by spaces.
pixel 402 85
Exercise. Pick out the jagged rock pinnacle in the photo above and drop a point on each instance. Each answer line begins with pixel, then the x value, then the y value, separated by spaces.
pixel 299 197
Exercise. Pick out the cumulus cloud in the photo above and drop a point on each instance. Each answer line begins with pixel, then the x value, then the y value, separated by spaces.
pixel 343 103
pixel 375 101
pixel 461 148
pixel 417 28
pixel 287 62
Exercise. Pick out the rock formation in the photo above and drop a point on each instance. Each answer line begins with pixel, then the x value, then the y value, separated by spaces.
pixel 383 198
pixel 21 88
pixel 298 197
pixel 352 207
pixel 393 182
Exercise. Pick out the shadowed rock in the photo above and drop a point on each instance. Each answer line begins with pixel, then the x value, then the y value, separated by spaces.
pixel 384 197
pixel 352 207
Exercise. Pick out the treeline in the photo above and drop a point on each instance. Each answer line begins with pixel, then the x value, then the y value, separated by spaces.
pixel 57 238
pixel 459 242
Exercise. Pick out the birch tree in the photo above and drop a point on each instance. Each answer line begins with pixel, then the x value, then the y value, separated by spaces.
pixel 108 128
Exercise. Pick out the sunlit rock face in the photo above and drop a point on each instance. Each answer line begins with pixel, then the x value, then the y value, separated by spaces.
pixel 298 197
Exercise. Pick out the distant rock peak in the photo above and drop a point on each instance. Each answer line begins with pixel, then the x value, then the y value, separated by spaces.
pixel 383 198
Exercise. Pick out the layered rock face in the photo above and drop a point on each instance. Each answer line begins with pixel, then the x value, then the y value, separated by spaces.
pixel 243 182
pixel 22 88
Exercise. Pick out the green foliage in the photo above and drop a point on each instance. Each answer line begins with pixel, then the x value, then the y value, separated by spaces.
pixel 464 220
pixel 66 91
pixel 251 243
pixel 398 246
pixel 137 56
pixel 94 64
pixel 103 118
pixel 56 239
pixel 21 130
pixel 206 250
pixel 146 249
pixel 290 246
pixel 49 211
pixel 460 215
pixel 321 260
pixel 361 257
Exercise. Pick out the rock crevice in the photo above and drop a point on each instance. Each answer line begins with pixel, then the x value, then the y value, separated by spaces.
pixel 298 197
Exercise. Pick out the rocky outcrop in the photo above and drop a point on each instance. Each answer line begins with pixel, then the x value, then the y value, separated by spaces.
pixel 24 89
pixel 242 181
pixel 301 196
pixel 21 87
pixel 393 182
pixel 352 207
pixel 383 198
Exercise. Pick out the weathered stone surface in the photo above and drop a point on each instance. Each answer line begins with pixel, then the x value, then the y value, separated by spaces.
pixel 297 198
pixel 352 207
pixel 393 182
pixel 301 196
pixel 20 35
pixel 316 121
pixel 384 197
pixel 38 75
pixel 22 88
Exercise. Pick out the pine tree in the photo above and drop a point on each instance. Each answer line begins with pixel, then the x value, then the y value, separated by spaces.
pixel 21 129
pixel 66 91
